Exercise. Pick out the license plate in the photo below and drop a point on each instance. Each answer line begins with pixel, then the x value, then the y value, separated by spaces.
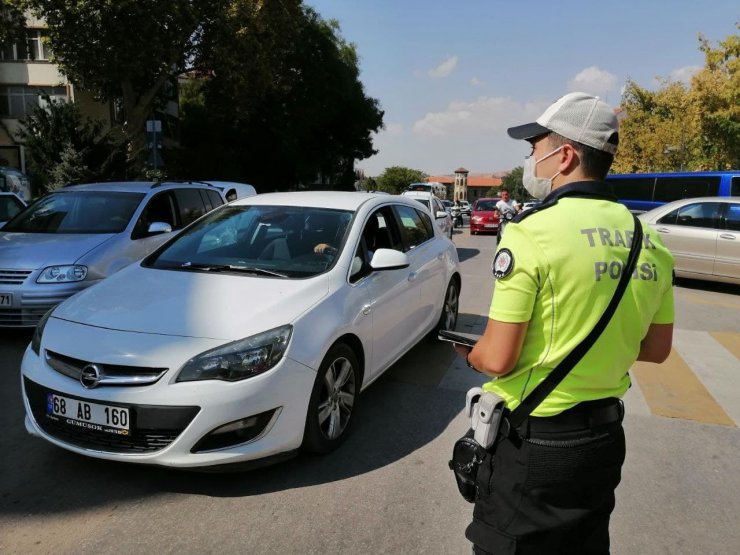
pixel 490 225
pixel 85 414
pixel 6 299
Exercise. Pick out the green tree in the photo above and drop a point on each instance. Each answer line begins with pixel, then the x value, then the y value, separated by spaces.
pixel 309 118
pixel 12 22
pixel 397 178
pixel 59 129
pixel 127 49
pixel 513 182
pixel 677 127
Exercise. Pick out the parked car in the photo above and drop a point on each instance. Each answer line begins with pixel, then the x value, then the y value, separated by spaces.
pixel 435 208
pixel 76 236
pixel 703 234
pixel 10 205
pixel 484 218
pixel 232 190
pixel 211 352
pixel 530 204
pixel 465 207
pixel 14 181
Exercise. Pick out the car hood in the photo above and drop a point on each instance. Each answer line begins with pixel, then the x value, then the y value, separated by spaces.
pixel 32 251
pixel 192 304
pixel 483 213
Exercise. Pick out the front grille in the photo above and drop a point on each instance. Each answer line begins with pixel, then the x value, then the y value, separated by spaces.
pixel 153 427
pixel 110 374
pixel 21 317
pixel 13 277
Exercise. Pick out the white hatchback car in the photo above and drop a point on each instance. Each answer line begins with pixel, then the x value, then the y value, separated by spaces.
pixel 244 338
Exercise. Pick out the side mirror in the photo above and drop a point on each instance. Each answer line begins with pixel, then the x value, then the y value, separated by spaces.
pixel 441 214
pixel 389 259
pixel 156 228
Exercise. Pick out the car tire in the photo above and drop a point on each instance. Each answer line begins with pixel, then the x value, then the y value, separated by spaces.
pixel 333 400
pixel 450 307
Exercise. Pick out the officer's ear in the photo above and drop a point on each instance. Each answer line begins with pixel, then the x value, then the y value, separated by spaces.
pixel 569 159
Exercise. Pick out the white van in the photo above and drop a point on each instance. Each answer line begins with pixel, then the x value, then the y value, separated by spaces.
pixel 14 181
pixel 435 209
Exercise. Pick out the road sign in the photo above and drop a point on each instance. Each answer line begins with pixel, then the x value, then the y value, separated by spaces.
pixel 153 126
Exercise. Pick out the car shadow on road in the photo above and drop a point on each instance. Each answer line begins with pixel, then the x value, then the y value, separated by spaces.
pixel 464 253
pixel 711 286
pixel 400 413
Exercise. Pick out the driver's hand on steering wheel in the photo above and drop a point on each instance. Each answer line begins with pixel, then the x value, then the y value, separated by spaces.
pixel 323 248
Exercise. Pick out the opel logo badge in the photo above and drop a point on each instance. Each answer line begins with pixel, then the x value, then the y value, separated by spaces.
pixel 90 376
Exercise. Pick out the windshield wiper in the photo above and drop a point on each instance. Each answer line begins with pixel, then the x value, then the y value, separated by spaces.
pixel 232 268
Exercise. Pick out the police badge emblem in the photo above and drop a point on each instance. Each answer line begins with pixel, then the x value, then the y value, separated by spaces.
pixel 503 263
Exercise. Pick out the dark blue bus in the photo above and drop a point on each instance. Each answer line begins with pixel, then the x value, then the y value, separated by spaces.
pixel 641 192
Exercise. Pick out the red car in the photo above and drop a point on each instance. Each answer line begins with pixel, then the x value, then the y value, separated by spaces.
pixel 484 216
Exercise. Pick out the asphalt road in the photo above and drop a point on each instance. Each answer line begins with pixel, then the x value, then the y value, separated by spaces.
pixel 388 489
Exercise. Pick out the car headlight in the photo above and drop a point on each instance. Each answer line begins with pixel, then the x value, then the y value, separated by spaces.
pixel 38 332
pixel 62 274
pixel 239 360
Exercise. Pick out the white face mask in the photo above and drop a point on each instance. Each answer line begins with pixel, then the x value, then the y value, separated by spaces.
pixel 538 187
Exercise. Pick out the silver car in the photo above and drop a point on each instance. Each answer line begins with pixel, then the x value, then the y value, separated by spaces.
pixel 76 236
pixel 10 205
pixel 703 234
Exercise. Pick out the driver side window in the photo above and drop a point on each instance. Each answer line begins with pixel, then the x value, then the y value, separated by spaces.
pixel 159 209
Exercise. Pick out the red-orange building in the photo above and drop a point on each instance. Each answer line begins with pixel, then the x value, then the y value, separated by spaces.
pixel 463 185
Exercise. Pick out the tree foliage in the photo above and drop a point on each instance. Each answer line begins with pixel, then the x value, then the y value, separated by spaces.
pixel 513 182
pixel 12 22
pixel 277 98
pixel 396 179
pixel 58 134
pixel 298 114
pixel 677 127
pixel 128 49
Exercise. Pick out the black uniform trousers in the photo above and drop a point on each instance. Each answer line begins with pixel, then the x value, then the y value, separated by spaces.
pixel 549 486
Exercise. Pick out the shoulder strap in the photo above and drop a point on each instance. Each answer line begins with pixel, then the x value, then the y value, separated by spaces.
pixel 547 385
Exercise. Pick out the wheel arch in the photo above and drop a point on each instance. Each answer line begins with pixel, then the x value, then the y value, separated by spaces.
pixel 354 343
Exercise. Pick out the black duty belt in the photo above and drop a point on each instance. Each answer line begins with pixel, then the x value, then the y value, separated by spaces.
pixel 590 414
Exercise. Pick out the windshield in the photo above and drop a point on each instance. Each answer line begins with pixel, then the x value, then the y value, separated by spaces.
pixel 485 206
pixel 277 241
pixel 77 212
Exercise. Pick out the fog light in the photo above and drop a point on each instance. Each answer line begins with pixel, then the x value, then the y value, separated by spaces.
pixel 235 433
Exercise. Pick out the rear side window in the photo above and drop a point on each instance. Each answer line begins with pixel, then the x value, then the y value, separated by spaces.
pixel 700 214
pixel 189 204
pixel 639 188
pixel 668 189
pixel 732 219
pixel 216 199
pixel 413 230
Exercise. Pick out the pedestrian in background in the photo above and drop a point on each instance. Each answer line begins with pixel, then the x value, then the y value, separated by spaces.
pixel 553 478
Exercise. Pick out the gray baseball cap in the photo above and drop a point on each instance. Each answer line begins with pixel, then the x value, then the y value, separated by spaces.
pixel 579 117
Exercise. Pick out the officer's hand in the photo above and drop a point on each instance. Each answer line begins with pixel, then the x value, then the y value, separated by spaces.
pixel 462 350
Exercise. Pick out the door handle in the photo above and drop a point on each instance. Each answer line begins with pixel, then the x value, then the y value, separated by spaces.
pixel 413 276
pixel 727 236
pixel 662 230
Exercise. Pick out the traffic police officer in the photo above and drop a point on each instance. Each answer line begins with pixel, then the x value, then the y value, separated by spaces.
pixel 556 269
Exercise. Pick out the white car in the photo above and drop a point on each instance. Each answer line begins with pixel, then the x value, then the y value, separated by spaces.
pixel 703 235
pixel 10 205
pixel 244 338
pixel 435 208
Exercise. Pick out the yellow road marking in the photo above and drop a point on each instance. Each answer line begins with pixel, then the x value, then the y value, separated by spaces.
pixel 671 389
pixel 729 340
pixel 701 299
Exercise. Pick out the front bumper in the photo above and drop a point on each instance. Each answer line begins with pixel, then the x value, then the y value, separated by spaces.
pixel 484 227
pixel 169 419
pixel 32 300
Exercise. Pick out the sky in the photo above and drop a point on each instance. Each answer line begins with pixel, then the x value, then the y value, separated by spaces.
pixel 452 76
